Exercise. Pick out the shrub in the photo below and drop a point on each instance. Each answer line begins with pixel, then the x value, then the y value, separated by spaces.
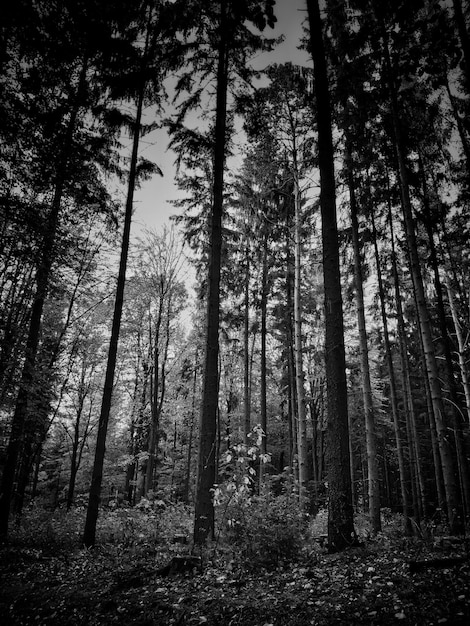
pixel 266 531
pixel 256 530
pixel 318 525
pixel 151 522
pixel 56 530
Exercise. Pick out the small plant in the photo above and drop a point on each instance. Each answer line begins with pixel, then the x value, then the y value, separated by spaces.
pixel 258 529
pixel 318 524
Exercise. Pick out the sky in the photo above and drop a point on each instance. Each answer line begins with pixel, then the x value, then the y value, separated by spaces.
pixel 152 207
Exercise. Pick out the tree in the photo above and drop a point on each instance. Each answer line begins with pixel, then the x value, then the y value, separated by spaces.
pixel 371 437
pixel 151 43
pixel 206 477
pixel 447 461
pixel 340 510
pixel 228 36
pixel 159 274
pixel 59 145
pixel 282 110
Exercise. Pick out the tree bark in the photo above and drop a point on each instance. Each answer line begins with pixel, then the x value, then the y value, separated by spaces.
pixel 189 456
pixel 263 373
pixel 89 534
pixel 445 341
pixel 410 420
pixel 206 478
pixel 340 511
pixel 393 390
pixel 454 508
pixel 302 457
pixel 371 436
pixel 291 378
pixel 461 345
pixel 159 386
pixel 246 347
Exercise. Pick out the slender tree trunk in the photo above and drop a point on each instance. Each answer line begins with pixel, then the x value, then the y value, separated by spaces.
pixel 454 508
pixel 136 490
pixel 89 534
pixel 291 378
pixel 246 348
pixel 393 390
pixel 445 341
pixel 204 509
pixel 187 488
pixel 263 374
pixel 371 437
pixel 439 479
pixel 74 455
pixel 159 388
pixel 131 446
pixel 37 467
pixel 25 466
pixel 314 418
pixel 302 456
pixel 352 460
pixel 340 512
pixel 410 421
pixel 461 345
pixel 73 477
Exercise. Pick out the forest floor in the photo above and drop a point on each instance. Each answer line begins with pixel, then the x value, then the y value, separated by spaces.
pixel 115 584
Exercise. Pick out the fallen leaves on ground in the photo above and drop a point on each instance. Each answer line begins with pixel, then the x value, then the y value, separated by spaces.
pixel 368 585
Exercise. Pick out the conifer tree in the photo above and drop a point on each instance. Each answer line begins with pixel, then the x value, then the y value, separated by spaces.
pixel 340 510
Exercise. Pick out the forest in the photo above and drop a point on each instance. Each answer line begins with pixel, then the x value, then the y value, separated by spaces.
pixel 258 413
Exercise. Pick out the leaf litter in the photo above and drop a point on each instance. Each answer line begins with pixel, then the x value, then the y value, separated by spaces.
pixel 371 585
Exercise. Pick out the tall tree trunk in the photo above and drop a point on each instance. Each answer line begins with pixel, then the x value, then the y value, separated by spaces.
pixel 340 511
pixel 42 283
pixel 158 390
pixel 439 479
pixel 206 478
pixel 371 437
pixel 410 420
pixel 454 508
pixel 291 377
pixel 89 534
pixel 445 341
pixel 263 374
pixel 37 468
pixel 302 456
pixel 393 389
pixel 461 345
pixel 314 418
pixel 246 347
pixel 189 456
pixel 131 446
pixel 136 490
pixel 74 456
